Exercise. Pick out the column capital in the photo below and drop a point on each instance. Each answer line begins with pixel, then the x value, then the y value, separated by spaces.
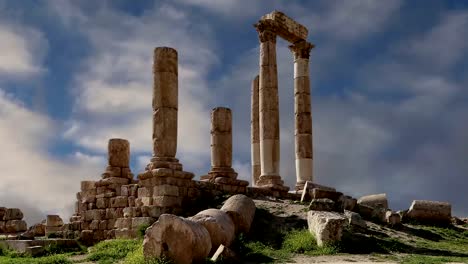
pixel 266 31
pixel 301 50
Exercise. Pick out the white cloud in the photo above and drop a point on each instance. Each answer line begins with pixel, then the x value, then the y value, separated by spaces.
pixel 32 179
pixel 21 50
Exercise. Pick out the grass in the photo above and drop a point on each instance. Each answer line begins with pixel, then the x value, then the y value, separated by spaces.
pixel 54 259
pixel 111 251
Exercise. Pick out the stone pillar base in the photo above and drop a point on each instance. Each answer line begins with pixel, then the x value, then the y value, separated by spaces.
pixel 164 162
pixel 300 186
pixel 272 182
pixel 224 172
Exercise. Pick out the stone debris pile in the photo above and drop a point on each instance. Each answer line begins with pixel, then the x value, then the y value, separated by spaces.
pixel 11 222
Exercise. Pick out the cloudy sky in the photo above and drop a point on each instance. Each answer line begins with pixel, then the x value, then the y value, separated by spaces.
pixel 389 87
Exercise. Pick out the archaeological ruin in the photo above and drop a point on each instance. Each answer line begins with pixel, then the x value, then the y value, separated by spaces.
pixel 166 198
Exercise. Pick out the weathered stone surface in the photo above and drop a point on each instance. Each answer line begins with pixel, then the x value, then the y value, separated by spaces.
pixel 347 203
pixel 181 240
pixel 219 225
pixel 122 223
pixel 392 218
pixel 221 137
pixel 165 189
pixel 432 212
pixel 374 200
pixel 375 214
pixel 2 226
pixel 355 219
pixel 88 185
pixel 139 221
pixel 13 226
pixel 54 220
pixel 284 26
pixel 318 193
pixel 167 201
pixel 324 204
pixel 119 152
pixel 241 209
pixel 119 201
pixel 2 212
pixel 327 227
pixel 13 214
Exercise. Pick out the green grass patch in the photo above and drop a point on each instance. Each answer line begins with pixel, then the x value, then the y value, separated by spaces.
pixel 55 259
pixel 111 251
pixel 136 257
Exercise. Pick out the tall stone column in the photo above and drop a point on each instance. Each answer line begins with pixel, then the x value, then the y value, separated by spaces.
pixel 268 109
pixel 303 116
pixel 255 135
pixel 221 144
pixel 165 107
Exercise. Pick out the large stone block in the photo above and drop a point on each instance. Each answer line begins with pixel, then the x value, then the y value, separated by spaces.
pixel 166 190
pixel 324 204
pixel 88 185
pixel 14 226
pixel 139 221
pixel 327 227
pixel 167 201
pixel 13 214
pixel 54 220
pixel 430 212
pixel 285 26
pixel 122 223
pixel 374 200
pixel 241 209
pixel 102 203
pixel 119 201
pixel 318 193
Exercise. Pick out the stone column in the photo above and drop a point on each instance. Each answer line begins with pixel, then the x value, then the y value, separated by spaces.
pixel 165 106
pixel 255 136
pixel 303 116
pixel 118 153
pixel 221 143
pixel 268 104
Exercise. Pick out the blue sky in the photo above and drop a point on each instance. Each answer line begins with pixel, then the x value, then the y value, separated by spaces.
pixel 388 81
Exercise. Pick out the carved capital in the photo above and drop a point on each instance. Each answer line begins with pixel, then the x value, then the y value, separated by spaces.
pixel 266 31
pixel 301 50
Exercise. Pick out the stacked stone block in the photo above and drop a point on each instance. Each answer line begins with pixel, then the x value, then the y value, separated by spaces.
pixel 101 203
pixel 11 221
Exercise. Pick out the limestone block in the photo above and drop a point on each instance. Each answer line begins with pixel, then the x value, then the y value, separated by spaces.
pixel 126 173
pixel 129 190
pixel 241 209
pixel 165 132
pixel 355 219
pixel 324 204
pixel 112 180
pixel 102 203
pixel 143 201
pixel 392 218
pixel 374 200
pixel 95 214
pixel 119 152
pixel 165 60
pixel 152 211
pixel 219 225
pixel 88 196
pixel 166 190
pixel 139 221
pixel 13 214
pixel 88 185
pixel 119 201
pixel 167 201
pixel 94 225
pixel 181 240
pixel 111 223
pixel 347 203
pixel 54 220
pixel 91 206
pixel 286 27
pixel 2 226
pixel 144 192
pixel 327 227
pixel 122 223
pixel 131 201
pixel 431 212
pixel 318 193
pixel 132 212
pixel 2 212
pixel 125 233
pixel 13 226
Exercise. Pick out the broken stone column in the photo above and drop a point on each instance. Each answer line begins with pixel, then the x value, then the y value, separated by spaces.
pixel 269 109
pixel 165 107
pixel 302 112
pixel 255 133
pixel 118 159
pixel 181 240
pixel 241 209
pixel 219 225
pixel 221 144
